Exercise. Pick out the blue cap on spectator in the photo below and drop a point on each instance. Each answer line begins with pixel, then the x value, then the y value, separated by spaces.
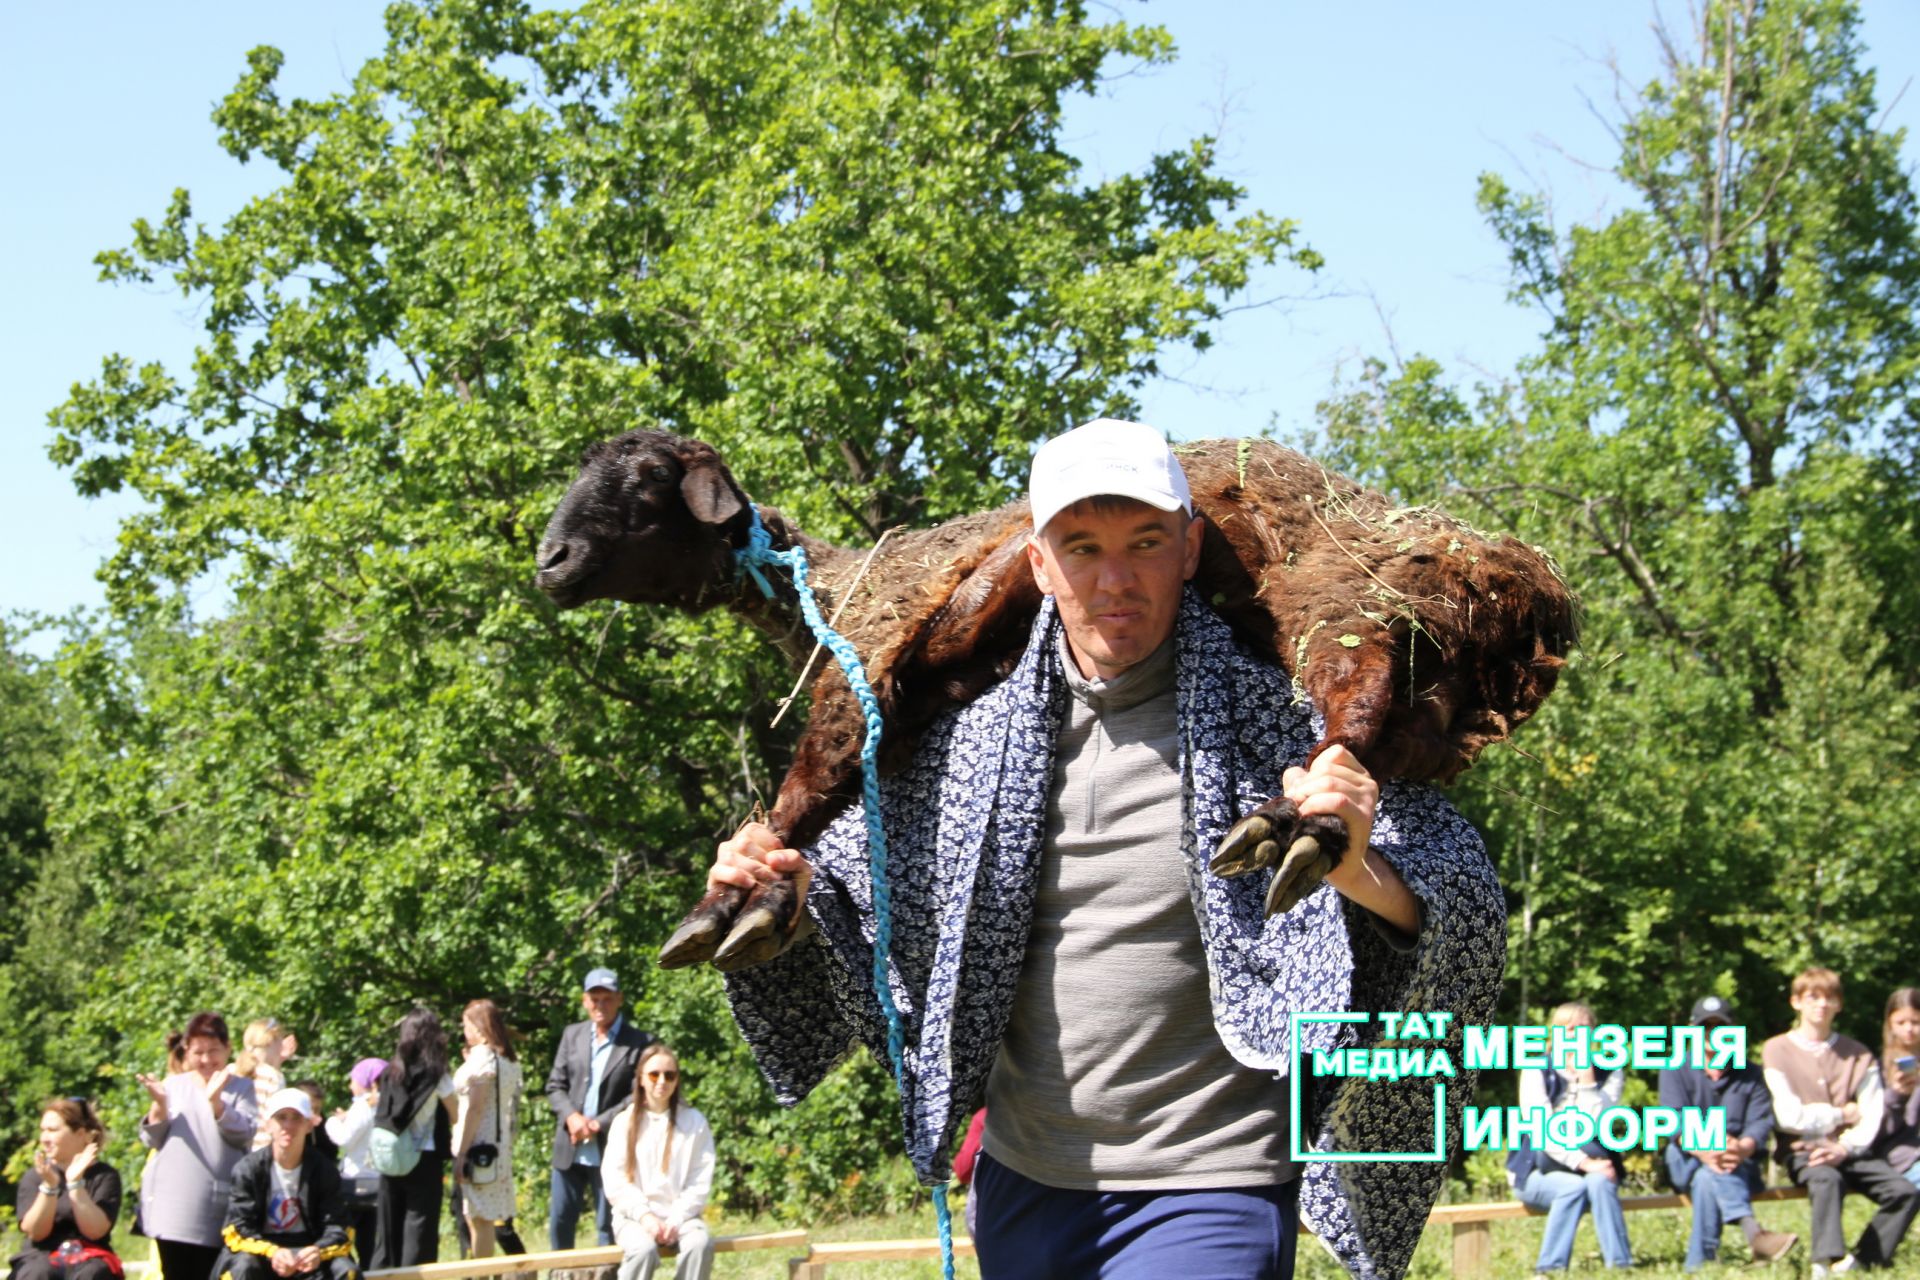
pixel 601 978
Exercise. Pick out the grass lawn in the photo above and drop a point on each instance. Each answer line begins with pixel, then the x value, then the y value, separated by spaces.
pixel 1659 1238
pixel 1659 1243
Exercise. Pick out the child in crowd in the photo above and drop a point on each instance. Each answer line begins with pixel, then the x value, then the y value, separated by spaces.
pixel 1828 1103
pixel 1899 1143
pixel 1567 1181
pixel 265 1047
pixel 352 1132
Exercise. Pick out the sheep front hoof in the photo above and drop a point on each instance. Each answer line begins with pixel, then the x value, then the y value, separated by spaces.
pixel 699 935
pixel 764 929
pixel 1317 847
pixel 1254 841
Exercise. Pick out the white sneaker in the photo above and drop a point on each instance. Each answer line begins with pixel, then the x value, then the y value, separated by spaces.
pixel 1821 1271
pixel 1843 1266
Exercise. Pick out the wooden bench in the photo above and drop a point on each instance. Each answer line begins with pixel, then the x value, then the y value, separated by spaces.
pixel 551 1259
pixel 1473 1223
pixel 814 1265
pixel 1472 1245
pixel 575 1259
pixel 1472 1235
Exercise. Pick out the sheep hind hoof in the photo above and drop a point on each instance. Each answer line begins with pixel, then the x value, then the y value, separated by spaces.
pixel 1317 848
pixel 1254 841
pixel 764 929
pixel 700 933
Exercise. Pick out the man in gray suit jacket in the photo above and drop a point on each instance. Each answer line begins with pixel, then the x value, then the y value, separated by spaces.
pixel 591 1080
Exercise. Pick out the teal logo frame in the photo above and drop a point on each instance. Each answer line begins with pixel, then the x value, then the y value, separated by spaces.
pixel 1294 1123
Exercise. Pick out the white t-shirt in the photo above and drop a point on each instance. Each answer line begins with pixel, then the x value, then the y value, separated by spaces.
pixel 286 1204
pixel 423 1121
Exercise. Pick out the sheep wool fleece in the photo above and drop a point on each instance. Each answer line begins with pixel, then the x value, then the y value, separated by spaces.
pixel 966 820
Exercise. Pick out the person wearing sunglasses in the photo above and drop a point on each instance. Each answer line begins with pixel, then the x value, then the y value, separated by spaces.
pixel 658 1174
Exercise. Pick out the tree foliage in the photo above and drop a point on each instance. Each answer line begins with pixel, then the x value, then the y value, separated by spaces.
pixel 36 726
pixel 1718 435
pixel 843 243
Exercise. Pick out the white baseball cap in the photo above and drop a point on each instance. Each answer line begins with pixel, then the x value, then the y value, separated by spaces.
pixel 1106 457
pixel 290 1100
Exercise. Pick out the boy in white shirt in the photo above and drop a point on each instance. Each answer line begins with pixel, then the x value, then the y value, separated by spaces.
pixel 1827 1104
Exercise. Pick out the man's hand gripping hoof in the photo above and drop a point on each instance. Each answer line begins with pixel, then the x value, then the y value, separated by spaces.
pixel 1302 850
pixel 756 895
pixel 1304 833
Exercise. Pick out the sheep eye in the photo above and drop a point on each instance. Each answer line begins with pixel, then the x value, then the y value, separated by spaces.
pixel 661 473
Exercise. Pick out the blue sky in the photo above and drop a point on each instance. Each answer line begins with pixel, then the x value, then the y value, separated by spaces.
pixel 1368 123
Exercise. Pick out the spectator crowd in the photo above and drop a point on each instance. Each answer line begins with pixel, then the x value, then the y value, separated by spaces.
pixel 247 1177
pixel 1836 1116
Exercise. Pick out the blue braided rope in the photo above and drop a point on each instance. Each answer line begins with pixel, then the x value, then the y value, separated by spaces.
pixel 758 552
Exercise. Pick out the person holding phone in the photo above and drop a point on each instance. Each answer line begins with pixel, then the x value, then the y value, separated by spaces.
pixel 1565 1182
pixel 1899 1142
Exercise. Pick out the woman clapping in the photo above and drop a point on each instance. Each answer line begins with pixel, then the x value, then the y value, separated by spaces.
pixel 200 1122
pixel 69 1199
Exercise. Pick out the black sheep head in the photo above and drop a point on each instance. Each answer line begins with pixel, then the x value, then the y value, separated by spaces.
pixel 651 519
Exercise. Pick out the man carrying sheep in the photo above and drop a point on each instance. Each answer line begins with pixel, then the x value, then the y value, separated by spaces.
pixel 1057 931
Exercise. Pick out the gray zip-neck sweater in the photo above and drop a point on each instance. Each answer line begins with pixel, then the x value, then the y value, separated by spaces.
pixel 1111 1075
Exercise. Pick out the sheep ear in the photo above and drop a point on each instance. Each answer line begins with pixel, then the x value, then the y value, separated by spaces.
pixel 706 491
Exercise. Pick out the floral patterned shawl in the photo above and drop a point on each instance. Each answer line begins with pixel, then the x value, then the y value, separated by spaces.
pixel 966 822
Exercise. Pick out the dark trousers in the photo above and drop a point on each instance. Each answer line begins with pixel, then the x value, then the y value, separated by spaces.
pixel 253 1266
pixel 36 1264
pixel 1029 1231
pixel 181 1261
pixel 409 1211
pixel 366 1232
pixel 363 1206
pixel 1875 1179
pixel 570 1190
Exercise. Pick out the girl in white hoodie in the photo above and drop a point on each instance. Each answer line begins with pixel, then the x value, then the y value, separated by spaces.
pixel 658 1173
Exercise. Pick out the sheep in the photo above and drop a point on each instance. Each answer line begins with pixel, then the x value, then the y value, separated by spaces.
pixel 1420 641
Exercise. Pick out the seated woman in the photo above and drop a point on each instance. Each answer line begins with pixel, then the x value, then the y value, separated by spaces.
pixel 1899 1140
pixel 1567 1181
pixel 287 1216
pixel 69 1199
pixel 658 1172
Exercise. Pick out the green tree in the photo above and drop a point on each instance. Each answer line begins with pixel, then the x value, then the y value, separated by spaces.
pixel 1718 437
pixel 35 729
pixel 842 243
